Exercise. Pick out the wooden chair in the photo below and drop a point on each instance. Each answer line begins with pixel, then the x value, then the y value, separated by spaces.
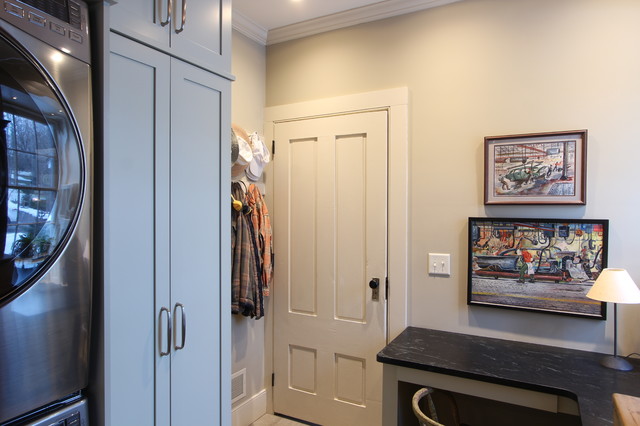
pixel 446 403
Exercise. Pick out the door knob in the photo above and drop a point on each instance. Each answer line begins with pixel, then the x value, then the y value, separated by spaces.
pixel 374 284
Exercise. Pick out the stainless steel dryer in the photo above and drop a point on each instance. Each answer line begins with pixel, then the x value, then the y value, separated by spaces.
pixel 45 208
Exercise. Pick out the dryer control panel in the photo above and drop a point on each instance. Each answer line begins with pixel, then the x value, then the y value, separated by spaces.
pixel 63 24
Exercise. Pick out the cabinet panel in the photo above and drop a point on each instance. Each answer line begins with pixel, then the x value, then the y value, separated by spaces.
pixel 198 99
pixel 164 242
pixel 140 20
pixel 204 39
pixel 136 266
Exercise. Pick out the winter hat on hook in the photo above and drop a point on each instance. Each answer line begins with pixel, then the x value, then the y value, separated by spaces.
pixel 245 151
pixel 261 156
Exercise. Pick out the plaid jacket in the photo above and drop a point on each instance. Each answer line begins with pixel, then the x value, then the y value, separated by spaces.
pixel 261 223
pixel 246 285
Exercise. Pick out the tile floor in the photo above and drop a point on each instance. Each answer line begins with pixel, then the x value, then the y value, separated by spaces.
pixel 271 420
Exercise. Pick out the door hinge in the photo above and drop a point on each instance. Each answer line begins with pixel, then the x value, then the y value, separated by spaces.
pixel 273 148
pixel 386 288
pixel 273 379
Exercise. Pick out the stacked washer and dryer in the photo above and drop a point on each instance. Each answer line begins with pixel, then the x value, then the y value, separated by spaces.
pixel 45 211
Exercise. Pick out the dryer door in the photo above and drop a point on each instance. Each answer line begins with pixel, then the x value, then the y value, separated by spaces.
pixel 41 171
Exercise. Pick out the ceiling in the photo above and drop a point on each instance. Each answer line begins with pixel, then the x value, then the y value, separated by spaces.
pixel 271 14
pixel 275 21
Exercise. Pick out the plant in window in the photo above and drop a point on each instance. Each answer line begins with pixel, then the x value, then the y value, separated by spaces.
pixel 41 246
pixel 29 246
pixel 21 246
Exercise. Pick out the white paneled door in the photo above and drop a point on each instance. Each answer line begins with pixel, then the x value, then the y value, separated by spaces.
pixel 330 211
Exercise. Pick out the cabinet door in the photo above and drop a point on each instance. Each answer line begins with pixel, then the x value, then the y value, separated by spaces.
pixel 205 39
pixel 141 20
pixel 199 125
pixel 136 234
pixel 199 31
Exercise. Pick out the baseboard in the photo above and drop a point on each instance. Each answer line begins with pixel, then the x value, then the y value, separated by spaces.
pixel 250 410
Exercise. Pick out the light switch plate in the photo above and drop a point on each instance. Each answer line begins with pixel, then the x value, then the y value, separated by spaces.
pixel 440 264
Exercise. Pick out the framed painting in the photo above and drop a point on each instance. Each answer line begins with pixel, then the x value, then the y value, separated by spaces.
pixel 536 168
pixel 543 265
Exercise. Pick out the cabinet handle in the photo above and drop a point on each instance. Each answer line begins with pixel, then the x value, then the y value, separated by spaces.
pixel 168 351
pixel 184 17
pixel 184 324
pixel 169 7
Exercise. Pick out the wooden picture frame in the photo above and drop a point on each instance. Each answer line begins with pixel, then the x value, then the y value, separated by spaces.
pixel 543 265
pixel 536 168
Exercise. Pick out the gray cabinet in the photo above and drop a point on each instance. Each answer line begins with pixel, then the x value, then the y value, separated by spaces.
pixel 165 246
pixel 198 31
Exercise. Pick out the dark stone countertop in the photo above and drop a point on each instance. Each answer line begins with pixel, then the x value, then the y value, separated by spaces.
pixel 566 372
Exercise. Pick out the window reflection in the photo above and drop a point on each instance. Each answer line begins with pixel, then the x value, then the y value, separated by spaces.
pixel 41 171
pixel 32 173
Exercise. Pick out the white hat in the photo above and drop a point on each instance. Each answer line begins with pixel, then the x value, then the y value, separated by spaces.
pixel 245 152
pixel 261 156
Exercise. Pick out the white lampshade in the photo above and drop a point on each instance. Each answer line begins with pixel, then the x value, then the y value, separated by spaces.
pixel 615 285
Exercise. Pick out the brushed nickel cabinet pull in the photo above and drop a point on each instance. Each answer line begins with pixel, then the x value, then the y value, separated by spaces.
pixel 184 324
pixel 169 7
pixel 169 333
pixel 184 17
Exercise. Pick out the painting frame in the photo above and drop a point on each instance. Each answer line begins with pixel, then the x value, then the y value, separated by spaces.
pixel 565 257
pixel 536 168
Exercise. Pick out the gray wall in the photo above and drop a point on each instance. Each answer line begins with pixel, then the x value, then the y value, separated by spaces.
pixel 493 67
pixel 248 99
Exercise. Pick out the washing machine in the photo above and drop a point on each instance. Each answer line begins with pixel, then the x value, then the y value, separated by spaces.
pixel 45 211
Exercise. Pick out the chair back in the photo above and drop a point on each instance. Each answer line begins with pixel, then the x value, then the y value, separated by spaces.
pixel 425 420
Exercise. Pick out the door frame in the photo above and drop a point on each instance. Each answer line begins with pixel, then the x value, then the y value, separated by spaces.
pixel 396 102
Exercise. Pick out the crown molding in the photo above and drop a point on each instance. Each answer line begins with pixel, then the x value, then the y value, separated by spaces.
pixel 249 28
pixel 360 15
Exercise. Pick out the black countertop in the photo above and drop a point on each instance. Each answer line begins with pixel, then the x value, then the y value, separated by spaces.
pixel 566 372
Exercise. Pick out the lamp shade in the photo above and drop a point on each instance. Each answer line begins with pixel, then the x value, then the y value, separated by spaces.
pixel 615 285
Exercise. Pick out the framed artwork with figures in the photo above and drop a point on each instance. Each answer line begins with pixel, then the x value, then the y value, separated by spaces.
pixel 536 168
pixel 543 265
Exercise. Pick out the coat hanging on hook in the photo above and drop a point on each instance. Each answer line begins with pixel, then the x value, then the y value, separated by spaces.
pixel 261 224
pixel 246 288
